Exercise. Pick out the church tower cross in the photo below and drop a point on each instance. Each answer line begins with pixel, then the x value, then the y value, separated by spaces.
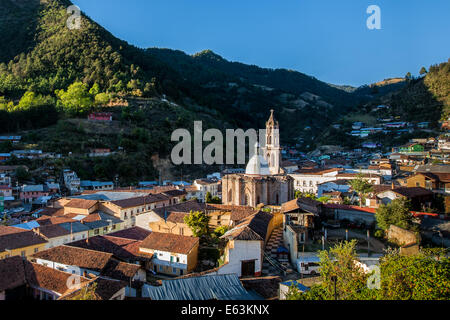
pixel 272 150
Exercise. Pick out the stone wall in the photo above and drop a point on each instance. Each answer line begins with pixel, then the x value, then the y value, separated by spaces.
pixel 401 236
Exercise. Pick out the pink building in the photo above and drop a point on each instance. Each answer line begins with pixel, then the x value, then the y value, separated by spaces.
pixel 31 193
pixel 100 116
pixel 6 190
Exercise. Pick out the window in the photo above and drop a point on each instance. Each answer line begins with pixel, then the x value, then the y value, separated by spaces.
pixel 36 250
pixel 96 231
pixel 174 270
pixel 23 253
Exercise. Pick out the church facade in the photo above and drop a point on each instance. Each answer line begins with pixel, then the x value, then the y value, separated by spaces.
pixel 264 180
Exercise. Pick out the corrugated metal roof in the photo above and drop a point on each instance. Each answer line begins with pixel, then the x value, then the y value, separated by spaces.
pixel 211 287
pixel 28 225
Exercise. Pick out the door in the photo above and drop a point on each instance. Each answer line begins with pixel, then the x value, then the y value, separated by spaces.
pixel 248 268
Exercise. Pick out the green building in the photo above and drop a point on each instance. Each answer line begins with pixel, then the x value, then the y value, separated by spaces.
pixel 2 202
pixel 411 148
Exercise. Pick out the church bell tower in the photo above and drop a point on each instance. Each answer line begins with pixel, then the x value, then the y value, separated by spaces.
pixel 272 149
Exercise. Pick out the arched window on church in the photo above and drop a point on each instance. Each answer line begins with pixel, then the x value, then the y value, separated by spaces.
pixel 230 195
pixel 272 160
pixel 258 200
pixel 278 199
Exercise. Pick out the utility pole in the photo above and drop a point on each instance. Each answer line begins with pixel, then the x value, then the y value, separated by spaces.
pixel 334 279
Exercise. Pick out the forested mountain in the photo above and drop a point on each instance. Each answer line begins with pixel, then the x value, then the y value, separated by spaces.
pixel 40 54
pixel 425 98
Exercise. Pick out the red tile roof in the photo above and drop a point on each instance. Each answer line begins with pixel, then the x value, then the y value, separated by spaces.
pixel 412 192
pixel 105 289
pixel 135 233
pixel 252 228
pixel 347 207
pixel 15 238
pixel 124 249
pixel 81 203
pixel 46 220
pixel 140 201
pixel 170 242
pixel 120 270
pixel 12 273
pixel 48 278
pixel 73 256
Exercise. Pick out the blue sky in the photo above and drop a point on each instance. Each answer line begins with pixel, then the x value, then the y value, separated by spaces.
pixel 327 39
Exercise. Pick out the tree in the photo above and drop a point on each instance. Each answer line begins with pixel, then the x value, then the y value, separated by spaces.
pixel 324 199
pixel 30 100
pixel 101 99
pixel 22 174
pixel 423 71
pixel 424 276
pixel 95 90
pixel 208 197
pixel 341 276
pixel 395 213
pixel 197 221
pixel 76 100
pixel 362 186
pixel 299 194
pixel 220 231
pixel 86 293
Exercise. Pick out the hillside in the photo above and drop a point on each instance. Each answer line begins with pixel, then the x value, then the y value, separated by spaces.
pixel 47 56
pixel 423 99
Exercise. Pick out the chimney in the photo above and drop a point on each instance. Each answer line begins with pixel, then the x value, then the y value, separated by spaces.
pixel 393 185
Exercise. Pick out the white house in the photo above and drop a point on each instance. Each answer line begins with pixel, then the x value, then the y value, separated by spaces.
pixel 307 181
pixel 171 253
pixel 201 187
pixel 333 186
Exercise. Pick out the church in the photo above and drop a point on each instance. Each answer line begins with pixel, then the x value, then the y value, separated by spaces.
pixel 264 180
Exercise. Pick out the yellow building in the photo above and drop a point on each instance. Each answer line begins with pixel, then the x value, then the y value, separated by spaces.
pixel 19 242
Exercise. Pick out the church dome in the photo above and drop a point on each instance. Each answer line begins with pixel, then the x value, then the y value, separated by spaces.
pixel 257 164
